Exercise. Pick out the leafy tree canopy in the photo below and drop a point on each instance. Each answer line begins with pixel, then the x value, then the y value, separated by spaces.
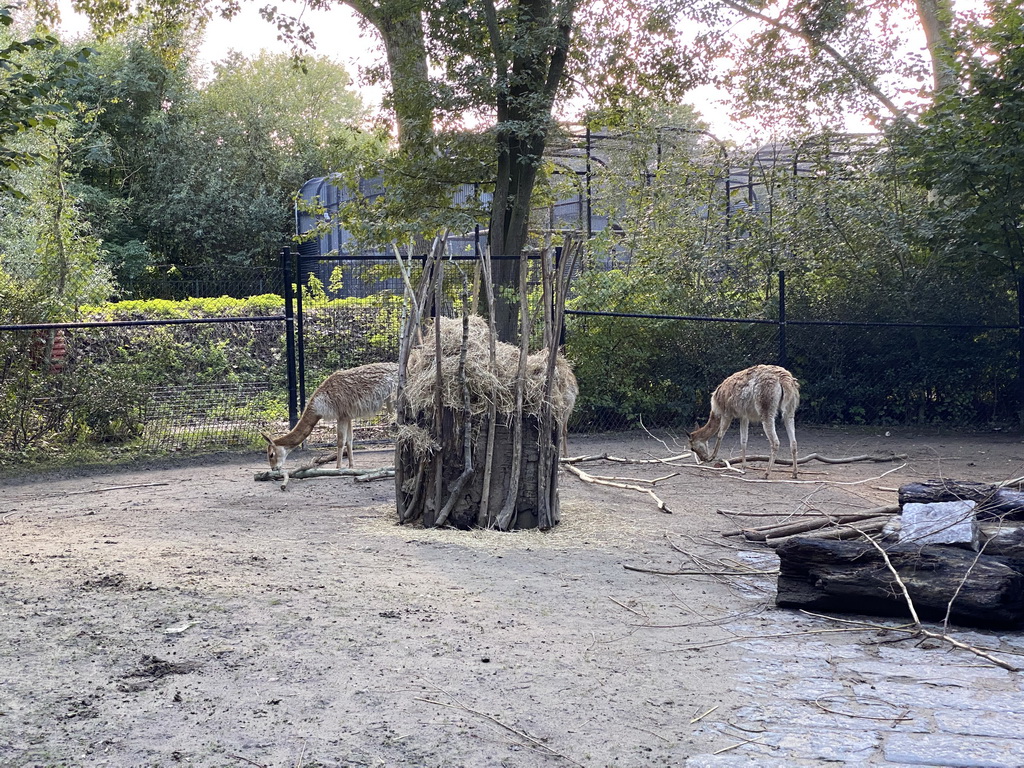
pixel 968 149
pixel 29 82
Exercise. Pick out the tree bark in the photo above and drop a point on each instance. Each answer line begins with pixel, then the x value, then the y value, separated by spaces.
pixel 936 17
pixel 852 577
pixel 400 25
pixel 992 500
pixel 529 70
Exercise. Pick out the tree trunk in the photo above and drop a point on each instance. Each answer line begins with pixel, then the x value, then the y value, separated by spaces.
pixel 992 500
pixel 852 577
pixel 529 68
pixel 936 17
pixel 400 24
pixel 465 513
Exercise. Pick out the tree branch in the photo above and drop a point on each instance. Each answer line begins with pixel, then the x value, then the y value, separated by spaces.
pixel 858 74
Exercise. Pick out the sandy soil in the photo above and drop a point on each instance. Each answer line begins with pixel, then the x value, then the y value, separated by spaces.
pixel 186 614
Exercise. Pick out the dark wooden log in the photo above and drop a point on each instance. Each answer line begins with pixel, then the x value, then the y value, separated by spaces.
pixel 992 500
pixel 1004 540
pixel 852 577
pixel 778 530
pixel 858 529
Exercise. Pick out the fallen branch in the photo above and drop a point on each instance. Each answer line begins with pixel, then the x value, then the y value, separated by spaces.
pixel 773 636
pixel 921 631
pixel 309 472
pixel 851 530
pixel 115 488
pixel 829 460
pixel 619 459
pixel 754 740
pixel 737 513
pixel 733 572
pixel 701 717
pixel 376 474
pixel 655 481
pixel 894 719
pixel 823 482
pixel 588 478
pixel 765 532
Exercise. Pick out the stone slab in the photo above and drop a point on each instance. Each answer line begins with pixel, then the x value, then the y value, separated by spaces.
pixel 940 522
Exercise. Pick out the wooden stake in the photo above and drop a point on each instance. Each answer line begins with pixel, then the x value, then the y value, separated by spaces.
pixel 504 521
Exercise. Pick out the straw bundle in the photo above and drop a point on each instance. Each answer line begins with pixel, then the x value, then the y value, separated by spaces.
pixel 484 383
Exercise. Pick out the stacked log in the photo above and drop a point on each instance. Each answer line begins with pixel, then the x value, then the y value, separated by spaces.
pixel 853 577
pixel 840 526
pixel 983 588
pixel 993 501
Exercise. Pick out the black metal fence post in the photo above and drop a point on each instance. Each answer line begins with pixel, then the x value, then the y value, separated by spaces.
pixel 300 328
pixel 1020 351
pixel 289 336
pixel 783 359
pixel 590 198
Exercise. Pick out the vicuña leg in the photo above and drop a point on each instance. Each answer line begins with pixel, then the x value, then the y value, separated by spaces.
pixel 339 429
pixel 744 434
pixel 773 442
pixel 791 434
pixel 723 427
pixel 344 438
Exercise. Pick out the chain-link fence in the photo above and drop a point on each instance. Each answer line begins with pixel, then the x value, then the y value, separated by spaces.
pixel 140 376
pixel 640 370
pixel 135 376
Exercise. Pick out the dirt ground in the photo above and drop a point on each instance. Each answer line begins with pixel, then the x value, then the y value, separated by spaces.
pixel 184 614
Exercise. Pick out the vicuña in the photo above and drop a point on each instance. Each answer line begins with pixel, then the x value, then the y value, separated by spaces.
pixel 758 393
pixel 356 393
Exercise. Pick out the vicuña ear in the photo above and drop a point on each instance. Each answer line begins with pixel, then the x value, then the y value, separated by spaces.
pixel 267 437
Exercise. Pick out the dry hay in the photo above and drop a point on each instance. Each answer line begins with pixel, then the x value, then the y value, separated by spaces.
pixel 485 385
pixel 585 526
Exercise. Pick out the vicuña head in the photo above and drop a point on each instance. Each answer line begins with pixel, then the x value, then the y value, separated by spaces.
pixel 762 393
pixel 355 393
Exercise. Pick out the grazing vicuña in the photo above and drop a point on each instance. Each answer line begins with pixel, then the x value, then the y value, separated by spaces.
pixel 356 393
pixel 762 393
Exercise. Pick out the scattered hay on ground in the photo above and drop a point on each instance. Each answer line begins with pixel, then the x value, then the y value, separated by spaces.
pixel 584 526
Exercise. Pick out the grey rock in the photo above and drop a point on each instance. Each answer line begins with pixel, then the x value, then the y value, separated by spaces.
pixel 940 522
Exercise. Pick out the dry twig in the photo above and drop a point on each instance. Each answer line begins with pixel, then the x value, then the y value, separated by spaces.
pixel 114 488
pixel 621 460
pixel 587 478
pixel 919 629
pixel 731 572
pixel 531 742
pixel 701 717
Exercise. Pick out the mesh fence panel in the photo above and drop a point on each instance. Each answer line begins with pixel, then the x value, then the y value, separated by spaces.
pixel 660 373
pixel 208 373
pixel 656 373
pixel 206 417
pixel 144 375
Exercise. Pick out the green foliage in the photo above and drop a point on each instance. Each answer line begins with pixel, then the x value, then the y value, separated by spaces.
pixel 30 95
pixel 344 333
pixel 111 385
pixel 162 309
pixel 967 150
pixel 854 237
pixel 160 171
